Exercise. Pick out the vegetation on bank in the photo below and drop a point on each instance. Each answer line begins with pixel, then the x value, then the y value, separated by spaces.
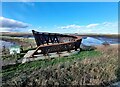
pixel 85 68
pixel 22 34
pixel 12 56
pixel 96 67
pixel 10 72
pixel 7 56
pixel 25 42
pixel 16 34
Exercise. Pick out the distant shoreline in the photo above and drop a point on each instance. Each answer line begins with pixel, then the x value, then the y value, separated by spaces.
pixel 21 34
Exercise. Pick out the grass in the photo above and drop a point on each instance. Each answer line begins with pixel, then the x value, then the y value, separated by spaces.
pixel 14 34
pixel 43 63
pixel 13 56
pixel 31 66
pixel 24 42
pixel 96 67
pixel 17 56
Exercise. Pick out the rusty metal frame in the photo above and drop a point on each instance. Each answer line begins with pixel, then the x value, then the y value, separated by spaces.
pixel 54 42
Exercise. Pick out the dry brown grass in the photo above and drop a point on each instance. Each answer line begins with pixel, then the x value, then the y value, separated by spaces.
pixel 100 70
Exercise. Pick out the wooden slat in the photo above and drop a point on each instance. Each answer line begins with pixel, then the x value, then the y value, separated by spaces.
pixel 29 53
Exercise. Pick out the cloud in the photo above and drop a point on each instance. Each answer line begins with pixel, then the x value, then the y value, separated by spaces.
pixel 5 29
pixel 73 26
pixel 70 26
pixel 105 27
pixel 37 29
pixel 92 25
pixel 28 3
pixel 10 23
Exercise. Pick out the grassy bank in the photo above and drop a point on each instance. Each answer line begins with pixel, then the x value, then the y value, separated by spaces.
pixel 16 34
pixel 15 57
pixel 10 72
pixel 23 34
pixel 97 67
pixel 25 43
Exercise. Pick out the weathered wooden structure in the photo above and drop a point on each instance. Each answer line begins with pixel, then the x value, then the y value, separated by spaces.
pixel 54 42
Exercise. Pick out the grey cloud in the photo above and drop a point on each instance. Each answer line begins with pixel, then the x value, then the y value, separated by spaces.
pixel 10 23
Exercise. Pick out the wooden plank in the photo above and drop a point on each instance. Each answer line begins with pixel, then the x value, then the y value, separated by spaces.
pixel 29 53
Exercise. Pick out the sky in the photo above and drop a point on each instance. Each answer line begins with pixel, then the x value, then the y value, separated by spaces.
pixel 60 17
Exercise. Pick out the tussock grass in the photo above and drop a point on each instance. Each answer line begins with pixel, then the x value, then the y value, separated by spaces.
pixel 97 67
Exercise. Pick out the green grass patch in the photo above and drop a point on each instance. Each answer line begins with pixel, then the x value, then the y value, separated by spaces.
pixel 29 67
pixel 16 56
pixel 13 56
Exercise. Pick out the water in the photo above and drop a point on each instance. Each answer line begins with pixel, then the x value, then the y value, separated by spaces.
pixel 89 41
pixel 93 41
pixel 110 40
pixel 6 44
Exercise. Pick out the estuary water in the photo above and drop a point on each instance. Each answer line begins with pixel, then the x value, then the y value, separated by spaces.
pixel 93 41
pixel 6 44
pixel 89 41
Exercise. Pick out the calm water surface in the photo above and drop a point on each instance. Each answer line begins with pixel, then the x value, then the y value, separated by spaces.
pixel 6 44
pixel 99 40
pixel 89 41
